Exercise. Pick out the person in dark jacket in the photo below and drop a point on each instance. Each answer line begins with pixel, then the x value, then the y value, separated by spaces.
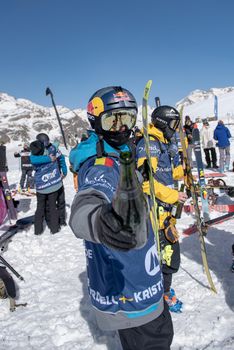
pixel 222 135
pixel 27 180
pixel 188 128
pixel 48 183
pixel 124 282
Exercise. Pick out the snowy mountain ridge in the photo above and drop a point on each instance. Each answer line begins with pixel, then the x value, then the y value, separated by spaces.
pixel 200 95
pixel 21 119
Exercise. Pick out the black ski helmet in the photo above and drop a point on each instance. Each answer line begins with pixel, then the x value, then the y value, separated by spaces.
pixel 106 100
pixel 166 119
pixel 43 138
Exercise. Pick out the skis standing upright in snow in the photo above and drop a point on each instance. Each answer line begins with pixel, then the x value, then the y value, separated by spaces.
pixel 201 174
pixel 153 212
pixel 200 225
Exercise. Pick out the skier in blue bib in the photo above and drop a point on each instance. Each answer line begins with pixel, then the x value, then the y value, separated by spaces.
pixel 124 282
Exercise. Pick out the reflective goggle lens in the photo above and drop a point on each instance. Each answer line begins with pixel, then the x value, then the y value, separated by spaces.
pixel 118 120
pixel 174 124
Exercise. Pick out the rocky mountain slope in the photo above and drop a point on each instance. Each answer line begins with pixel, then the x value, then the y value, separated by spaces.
pixel 21 120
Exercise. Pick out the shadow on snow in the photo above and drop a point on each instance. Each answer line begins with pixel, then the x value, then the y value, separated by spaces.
pixel 219 256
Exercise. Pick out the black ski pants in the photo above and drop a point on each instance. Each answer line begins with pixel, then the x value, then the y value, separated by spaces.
pixel 155 335
pixel 42 199
pixel 171 254
pixel 8 282
pixel 61 206
pixel 210 155
pixel 26 180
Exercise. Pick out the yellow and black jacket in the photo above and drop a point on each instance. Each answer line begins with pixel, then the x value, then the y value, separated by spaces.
pixel 165 170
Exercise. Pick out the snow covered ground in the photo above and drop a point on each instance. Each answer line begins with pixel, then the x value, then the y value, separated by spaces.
pixel 58 313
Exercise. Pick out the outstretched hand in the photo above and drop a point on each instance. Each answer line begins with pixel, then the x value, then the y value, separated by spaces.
pixel 112 231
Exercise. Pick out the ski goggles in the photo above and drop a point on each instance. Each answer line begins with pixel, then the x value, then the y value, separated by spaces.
pixel 174 124
pixel 119 120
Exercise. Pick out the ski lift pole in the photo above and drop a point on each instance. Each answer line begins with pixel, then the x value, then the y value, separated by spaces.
pixel 11 268
pixel 49 92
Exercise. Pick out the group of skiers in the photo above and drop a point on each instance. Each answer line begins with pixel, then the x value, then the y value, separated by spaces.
pixel 219 137
pixel 130 286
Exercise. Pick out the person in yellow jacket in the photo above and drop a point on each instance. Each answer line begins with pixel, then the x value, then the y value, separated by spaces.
pixel 166 168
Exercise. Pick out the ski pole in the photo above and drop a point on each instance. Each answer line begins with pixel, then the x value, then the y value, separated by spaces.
pixel 49 92
pixel 11 268
pixel 157 102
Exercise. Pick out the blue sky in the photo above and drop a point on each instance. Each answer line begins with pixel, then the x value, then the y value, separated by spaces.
pixel 78 46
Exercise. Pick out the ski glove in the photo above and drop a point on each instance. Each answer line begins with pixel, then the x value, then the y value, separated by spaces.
pixel 112 232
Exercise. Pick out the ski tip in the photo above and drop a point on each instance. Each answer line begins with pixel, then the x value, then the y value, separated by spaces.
pixel 147 90
pixel 149 83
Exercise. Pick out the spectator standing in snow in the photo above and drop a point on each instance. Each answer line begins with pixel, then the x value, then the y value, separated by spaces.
pixel 208 144
pixel 188 128
pixel 222 135
pixel 26 181
pixel 48 182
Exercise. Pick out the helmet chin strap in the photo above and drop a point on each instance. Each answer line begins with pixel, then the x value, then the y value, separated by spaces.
pixel 168 133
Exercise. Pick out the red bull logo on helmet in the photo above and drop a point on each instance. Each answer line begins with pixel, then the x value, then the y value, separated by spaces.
pixel 121 96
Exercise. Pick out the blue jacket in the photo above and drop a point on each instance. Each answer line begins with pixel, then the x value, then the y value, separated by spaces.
pixel 61 160
pixel 47 174
pixel 222 135
pixel 126 288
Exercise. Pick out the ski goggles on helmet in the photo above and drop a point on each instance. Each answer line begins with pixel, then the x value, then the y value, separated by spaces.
pixel 119 120
pixel 174 124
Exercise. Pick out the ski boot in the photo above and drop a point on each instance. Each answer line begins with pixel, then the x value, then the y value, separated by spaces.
pixel 175 305
pixel 215 166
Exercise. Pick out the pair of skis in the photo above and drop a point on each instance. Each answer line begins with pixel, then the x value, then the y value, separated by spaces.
pixel 192 229
pixel 201 228
pixel 153 209
pixel 20 224
pixel 221 208
pixel 190 181
pixel 201 174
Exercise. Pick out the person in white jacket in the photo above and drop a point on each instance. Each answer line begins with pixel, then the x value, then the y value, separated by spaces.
pixel 208 144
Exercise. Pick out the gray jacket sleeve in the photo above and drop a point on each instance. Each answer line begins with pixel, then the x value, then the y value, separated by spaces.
pixel 85 212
